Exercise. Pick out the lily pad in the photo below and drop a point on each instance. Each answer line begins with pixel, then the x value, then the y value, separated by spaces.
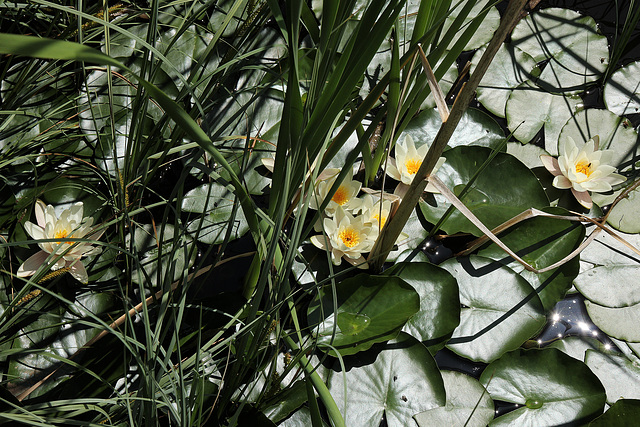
pixel 503 190
pixel 542 241
pixel 551 111
pixel 621 323
pixel 484 33
pixel 370 309
pixel 475 128
pixel 610 285
pixel 439 312
pixel 576 53
pixel 491 326
pixel 468 403
pixel 624 216
pixel 621 414
pixel 619 375
pixel 622 91
pixel 509 68
pixel 577 346
pixel 552 388
pixel 402 381
pixel 606 250
pixel 216 203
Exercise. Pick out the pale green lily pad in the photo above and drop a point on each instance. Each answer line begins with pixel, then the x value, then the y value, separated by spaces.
pixel 606 250
pixel 216 203
pixel 619 375
pixel 553 388
pixel 577 54
pixel 577 346
pixel 551 111
pixel 529 154
pixel 484 33
pixel 509 68
pixel 624 215
pixel 612 286
pixel 622 91
pixel 468 403
pixel 475 128
pixel 615 133
pixel 623 413
pixel 491 326
pixel 402 381
pixel 621 323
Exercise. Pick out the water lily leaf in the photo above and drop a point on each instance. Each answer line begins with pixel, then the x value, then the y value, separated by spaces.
pixel 619 375
pixel 616 133
pixel 623 413
pixel 468 403
pixel 576 53
pixel 577 346
pixel 622 91
pixel 552 112
pixel 553 388
pixel 488 26
pixel 606 250
pixel 621 323
pixel 491 326
pixel 402 381
pixel 216 202
pixel 610 285
pixel 509 68
pixel 624 216
pixel 370 309
pixel 542 241
pixel 475 128
pixel 490 199
pixel 161 258
pixel 300 418
pixel 439 312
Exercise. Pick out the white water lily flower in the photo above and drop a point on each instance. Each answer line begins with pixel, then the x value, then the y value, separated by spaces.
pixel 372 213
pixel 407 162
pixel 342 198
pixel 346 236
pixel 583 169
pixel 70 224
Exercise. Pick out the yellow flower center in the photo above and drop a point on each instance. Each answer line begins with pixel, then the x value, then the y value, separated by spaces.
pixel 380 222
pixel 584 167
pixel 341 196
pixel 412 165
pixel 349 237
pixel 61 234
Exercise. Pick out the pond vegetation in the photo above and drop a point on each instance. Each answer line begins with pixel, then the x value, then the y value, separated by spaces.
pixel 319 213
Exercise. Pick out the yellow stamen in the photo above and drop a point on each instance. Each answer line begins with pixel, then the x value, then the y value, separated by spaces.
pixel 380 221
pixel 412 165
pixel 61 234
pixel 584 167
pixel 341 196
pixel 349 237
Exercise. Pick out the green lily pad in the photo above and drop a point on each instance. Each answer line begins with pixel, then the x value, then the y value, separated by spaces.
pixel 490 199
pixel 484 33
pixel 622 91
pixel 491 326
pixel 621 323
pixel 606 250
pixel 439 312
pixel 542 241
pixel 577 54
pixel 624 216
pixel 475 128
pixel 619 375
pixel 577 346
pixel 551 111
pixel 468 403
pixel 402 381
pixel 509 68
pixel 610 285
pixel 216 203
pixel 615 133
pixel 370 309
pixel 552 388
pixel 623 413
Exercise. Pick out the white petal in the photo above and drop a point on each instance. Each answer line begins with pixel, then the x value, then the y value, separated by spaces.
pixel 35 231
pixel 31 265
pixel 583 198
pixel 40 209
pixel 392 170
pixel 78 271
pixel 318 241
pixel 562 182
pixel 551 164
pixel 75 212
